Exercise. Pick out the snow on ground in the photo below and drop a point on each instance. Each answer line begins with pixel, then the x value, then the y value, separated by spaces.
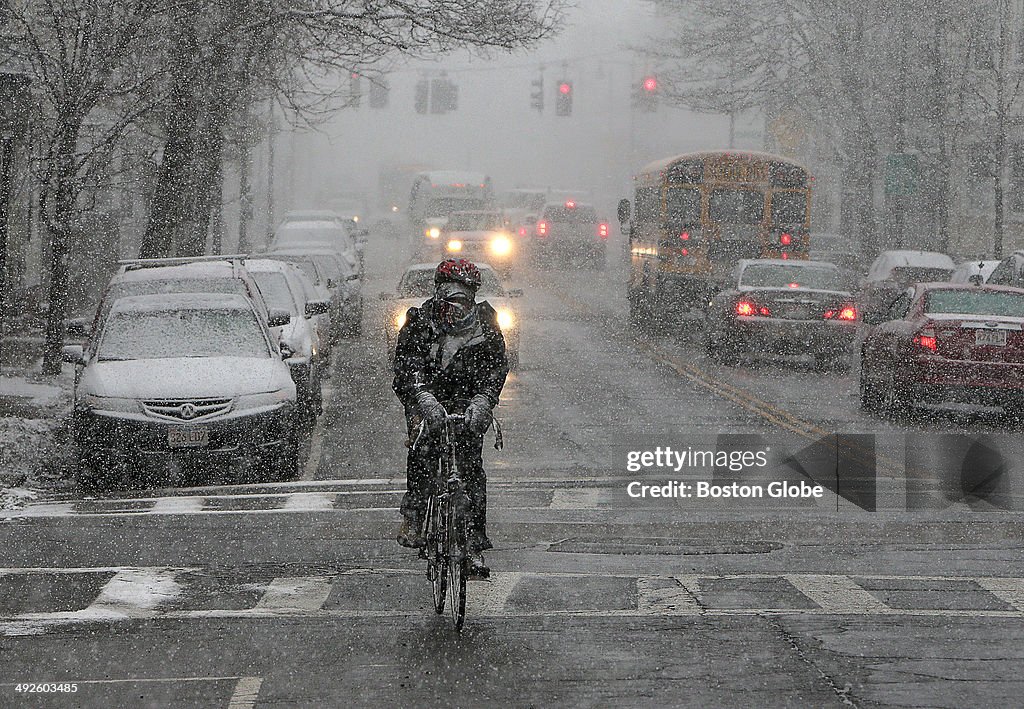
pixel 32 410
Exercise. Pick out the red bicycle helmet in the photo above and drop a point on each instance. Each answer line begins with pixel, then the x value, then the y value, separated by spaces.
pixel 458 270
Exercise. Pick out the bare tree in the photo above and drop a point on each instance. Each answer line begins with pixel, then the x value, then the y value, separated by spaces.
pixel 91 83
pixel 237 53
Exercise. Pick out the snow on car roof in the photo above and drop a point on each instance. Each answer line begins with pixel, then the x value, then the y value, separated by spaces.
pixel 263 265
pixel 200 269
pixel 182 301
pixel 908 257
pixel 430 266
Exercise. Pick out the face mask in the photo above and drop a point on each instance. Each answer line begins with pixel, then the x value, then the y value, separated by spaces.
pixel 455 313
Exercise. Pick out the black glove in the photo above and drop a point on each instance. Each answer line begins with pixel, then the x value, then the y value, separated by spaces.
pixel 478 414
pixel 431 410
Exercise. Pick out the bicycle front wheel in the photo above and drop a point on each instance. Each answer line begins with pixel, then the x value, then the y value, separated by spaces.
pixel 437 569
pixel 458 562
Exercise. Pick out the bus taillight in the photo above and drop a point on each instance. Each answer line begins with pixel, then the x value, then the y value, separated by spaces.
pixel 786 239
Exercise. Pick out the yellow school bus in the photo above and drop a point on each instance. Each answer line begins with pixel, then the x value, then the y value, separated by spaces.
pixel 695 215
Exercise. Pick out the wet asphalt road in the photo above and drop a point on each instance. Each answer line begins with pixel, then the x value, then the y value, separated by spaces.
pixel 294 594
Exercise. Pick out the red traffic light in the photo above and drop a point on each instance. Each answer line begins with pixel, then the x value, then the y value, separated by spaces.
pixel 565 88
pixel 650 83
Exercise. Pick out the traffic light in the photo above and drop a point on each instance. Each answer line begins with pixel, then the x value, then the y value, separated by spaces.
pixel 422 99
pixel 563 99
pixel 646 95
pixel 355 89
pixel 537 95
pixel 379 91
pixel 444 96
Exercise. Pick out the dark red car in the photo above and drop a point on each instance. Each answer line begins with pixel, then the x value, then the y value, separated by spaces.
pixel 946 342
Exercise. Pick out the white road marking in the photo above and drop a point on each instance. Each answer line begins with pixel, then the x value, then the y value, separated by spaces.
pixel 41 509
pixel 299 593
pixel 663 595
pixel 316 443
pixel 246 691
pixel 837 594
pixel 576 498
pixel 134 680
pixel 491 598
pixel 1010 591
pixel 175 506
pixel 309 501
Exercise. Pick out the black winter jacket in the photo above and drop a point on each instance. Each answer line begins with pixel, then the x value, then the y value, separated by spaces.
pixel 479 367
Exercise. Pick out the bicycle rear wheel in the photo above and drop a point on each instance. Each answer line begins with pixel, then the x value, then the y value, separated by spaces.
pixel 437 569
pixel 458 562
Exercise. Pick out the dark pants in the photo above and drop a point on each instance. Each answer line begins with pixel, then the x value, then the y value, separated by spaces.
pixel 421 467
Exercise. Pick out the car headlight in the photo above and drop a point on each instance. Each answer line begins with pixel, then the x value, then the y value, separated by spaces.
pixel 356 218
pixel 505 318
pixel 433 232
pixel 111 403
pixel 501 246
pixel 264 399
pixel 400 320
pixel 455 245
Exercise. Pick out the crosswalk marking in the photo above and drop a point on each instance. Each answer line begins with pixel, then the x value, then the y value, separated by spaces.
pixel 177 505
pixel 310 501
pixel 837 594
pixel 586 498
pixel 303 593
pixel 491 598
pixel 1010 591
pixel 666 595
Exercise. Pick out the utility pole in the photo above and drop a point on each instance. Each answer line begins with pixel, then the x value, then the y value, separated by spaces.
pixel 999 144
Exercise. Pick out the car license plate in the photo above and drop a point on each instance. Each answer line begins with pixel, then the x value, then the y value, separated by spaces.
pixel 188 437
pixel 996 338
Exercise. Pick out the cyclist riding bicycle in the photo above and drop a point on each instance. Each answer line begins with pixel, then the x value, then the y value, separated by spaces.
pixel 450 357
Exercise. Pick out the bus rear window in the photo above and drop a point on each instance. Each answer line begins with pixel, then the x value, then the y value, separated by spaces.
pixel 576 215
pixel 682 207
pixel 789 208
pixel 736 206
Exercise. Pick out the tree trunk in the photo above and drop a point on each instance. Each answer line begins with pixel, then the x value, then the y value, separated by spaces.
pixel 245 210
pixel 6 180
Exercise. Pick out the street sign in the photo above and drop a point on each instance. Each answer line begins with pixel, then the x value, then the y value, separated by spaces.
pixel 902 173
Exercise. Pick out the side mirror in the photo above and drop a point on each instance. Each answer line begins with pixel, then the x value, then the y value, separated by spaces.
pixel 77 328
pixel 278 318
pixel 75 354
pixel 353 277
pixel 295 360
pixel 317 307
pixel 515 293
pixel 624 211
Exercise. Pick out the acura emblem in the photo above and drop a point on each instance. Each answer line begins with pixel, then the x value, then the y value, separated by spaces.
pixel 187 411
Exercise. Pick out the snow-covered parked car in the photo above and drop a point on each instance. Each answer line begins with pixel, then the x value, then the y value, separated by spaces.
pixel 974 270
pixel 344 281
pixel 282 288
pixel 175 383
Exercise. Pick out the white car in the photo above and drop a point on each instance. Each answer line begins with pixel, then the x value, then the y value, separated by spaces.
pixel 344 280
pixel 977 268
pixel 175 382
pixel 282 289
pixel 417 285
pixel 480 235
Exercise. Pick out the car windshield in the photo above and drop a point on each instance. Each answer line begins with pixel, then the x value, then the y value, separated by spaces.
pixel 783 276
pixel 905 275
pixel 182 333
pixel 419 283
pixel 975 302
pixel 465 221
pixel 443 206
pixel 274 287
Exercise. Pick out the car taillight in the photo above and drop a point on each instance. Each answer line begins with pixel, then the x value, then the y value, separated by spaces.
pixel 926 340
pixel 522 231
pixel 845 312
pixel 602 230
pixel 542 228
pixel 748 308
